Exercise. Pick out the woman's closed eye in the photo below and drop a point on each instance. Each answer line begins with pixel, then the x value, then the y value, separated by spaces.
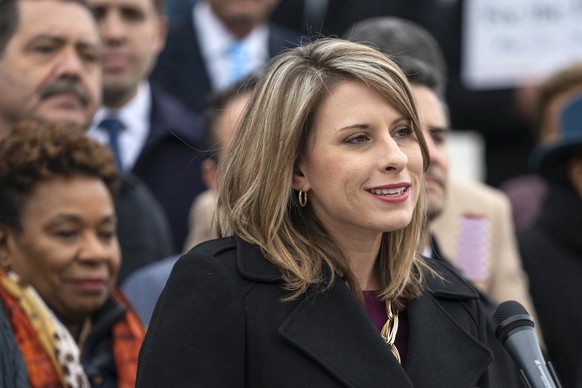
pixel 66 234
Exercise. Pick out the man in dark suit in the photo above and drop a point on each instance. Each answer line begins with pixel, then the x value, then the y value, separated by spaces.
pixel 52 73
pixel 160 139
pixel 216 45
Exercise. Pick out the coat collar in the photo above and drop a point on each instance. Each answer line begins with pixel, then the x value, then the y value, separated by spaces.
pixel 435 340
pixel 327 326
pixel 253 265
pixel 334 316
pixel 449 284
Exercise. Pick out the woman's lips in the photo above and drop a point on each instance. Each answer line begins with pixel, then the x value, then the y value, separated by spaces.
pixel 391 193
pixel 88 284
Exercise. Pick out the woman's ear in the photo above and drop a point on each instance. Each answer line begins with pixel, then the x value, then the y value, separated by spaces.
pixel 300 181
pixel 5 254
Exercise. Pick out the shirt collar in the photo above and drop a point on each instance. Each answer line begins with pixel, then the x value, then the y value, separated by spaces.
pixel 134 114
pixel 214 39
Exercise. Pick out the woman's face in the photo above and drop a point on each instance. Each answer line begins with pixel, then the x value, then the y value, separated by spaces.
pixel 68 249
pixel 362 165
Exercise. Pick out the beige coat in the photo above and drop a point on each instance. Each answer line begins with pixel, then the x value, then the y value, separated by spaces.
pixel 491 257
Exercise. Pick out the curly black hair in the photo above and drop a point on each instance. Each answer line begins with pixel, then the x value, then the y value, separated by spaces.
pixel 34 152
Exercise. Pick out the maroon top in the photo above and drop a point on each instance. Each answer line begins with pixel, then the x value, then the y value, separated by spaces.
pixel 377 312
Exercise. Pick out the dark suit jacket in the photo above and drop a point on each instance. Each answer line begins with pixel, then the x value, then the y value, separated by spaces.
pixel 220 322
pixel 181 70
pixel 142 226
pixel 169 162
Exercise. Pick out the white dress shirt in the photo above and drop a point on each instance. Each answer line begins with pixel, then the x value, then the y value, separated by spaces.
pixel 135 116
pixel 215 41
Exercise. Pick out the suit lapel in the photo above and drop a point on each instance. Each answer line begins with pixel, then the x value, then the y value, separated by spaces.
pixel 156 130
pixel 182 56
pixel 168 119
pixel 195 65
pixel 333 329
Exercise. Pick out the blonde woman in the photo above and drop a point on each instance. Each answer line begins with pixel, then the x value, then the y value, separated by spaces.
pixel 319 283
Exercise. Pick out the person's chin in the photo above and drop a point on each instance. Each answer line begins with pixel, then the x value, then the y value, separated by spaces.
pixel 119 79
pixel 82 306
pixel 67 116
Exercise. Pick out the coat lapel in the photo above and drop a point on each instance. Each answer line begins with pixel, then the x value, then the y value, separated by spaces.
pixel 168 118
pixel 456 357
pixel 329 325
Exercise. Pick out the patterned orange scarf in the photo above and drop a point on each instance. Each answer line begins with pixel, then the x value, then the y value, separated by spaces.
pixel 127 333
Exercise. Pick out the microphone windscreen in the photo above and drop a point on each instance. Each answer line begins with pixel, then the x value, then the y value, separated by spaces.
pixel 508 316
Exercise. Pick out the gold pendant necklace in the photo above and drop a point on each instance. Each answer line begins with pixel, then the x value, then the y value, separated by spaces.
pixel 390 329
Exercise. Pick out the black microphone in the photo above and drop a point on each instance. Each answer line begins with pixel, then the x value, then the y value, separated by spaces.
pixel 514 327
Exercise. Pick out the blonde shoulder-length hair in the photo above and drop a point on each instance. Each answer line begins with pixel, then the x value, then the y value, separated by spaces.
pixel 256 200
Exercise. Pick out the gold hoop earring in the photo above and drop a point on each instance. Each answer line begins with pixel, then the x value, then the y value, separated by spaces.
pixel 302 198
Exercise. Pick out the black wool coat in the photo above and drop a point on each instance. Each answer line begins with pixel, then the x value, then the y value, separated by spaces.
pixel 220 322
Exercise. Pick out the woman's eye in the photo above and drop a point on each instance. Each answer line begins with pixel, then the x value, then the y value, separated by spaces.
pixel 403 132
pixel 358 139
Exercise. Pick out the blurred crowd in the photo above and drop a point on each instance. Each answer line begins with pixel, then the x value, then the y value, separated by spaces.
pixel 115 115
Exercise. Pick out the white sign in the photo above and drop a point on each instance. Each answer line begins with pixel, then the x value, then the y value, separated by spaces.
pixel 508 43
